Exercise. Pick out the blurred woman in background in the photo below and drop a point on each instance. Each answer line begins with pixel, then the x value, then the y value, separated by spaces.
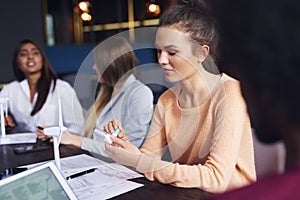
pixel 121 96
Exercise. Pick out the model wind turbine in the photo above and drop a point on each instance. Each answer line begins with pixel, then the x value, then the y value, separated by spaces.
pixel 3 106
pixel 55 132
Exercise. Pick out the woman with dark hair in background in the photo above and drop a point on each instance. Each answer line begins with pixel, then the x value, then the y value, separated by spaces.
pixel 34 96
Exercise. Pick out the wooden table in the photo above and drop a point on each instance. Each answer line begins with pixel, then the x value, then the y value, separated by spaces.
pixel 151 190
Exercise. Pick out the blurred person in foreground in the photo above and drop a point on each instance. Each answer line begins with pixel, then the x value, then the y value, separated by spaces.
pixel 266 35
pixel 262 47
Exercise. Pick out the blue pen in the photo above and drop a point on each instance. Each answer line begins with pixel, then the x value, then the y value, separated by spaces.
pixel 115 134
pixel 106 135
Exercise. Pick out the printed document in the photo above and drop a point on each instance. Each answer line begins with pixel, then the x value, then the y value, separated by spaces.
pixel 18 138
pixel 107 181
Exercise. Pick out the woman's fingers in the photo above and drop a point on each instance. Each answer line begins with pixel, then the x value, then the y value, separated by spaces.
pixel 111 126
pixel 125 144
pixel 119 139
pixel 121 142
pixel 41 135
pixel 9 121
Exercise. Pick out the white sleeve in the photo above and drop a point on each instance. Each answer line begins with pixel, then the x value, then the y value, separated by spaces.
pixel 94 146
pixel 73 115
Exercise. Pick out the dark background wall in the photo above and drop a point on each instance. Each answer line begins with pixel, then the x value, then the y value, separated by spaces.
pixel 19 19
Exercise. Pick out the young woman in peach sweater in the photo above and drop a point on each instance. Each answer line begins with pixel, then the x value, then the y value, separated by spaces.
pixel 203 122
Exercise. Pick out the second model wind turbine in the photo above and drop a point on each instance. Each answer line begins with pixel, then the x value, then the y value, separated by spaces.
pixel 55 132
pixel 3 107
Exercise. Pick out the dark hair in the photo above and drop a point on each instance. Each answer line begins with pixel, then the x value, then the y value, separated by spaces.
pixel 116 60
pixel 193 17
pixel 261 45
pixel 44 82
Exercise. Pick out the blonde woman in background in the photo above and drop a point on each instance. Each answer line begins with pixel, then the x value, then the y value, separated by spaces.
pixel 121 96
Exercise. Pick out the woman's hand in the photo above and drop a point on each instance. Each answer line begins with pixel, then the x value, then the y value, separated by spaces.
pixel 70 139
pixel 121 150
pixel 121 140
pixel 122 155
pixel 9 121
pixel 41 135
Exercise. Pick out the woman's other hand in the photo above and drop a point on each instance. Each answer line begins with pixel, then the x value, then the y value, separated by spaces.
pixel 70 139
pixel 9 121
pixel 121 140
pixel 40 133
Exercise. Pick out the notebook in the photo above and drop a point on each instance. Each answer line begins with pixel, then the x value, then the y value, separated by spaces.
pixel 42 182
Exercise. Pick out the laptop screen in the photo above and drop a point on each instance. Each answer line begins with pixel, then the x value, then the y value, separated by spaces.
pixel 41 183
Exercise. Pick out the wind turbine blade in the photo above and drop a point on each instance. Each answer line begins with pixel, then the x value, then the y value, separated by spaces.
pixel 52 131
pixel 60 119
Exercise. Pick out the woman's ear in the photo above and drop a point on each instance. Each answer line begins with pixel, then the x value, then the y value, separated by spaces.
pixel 202 52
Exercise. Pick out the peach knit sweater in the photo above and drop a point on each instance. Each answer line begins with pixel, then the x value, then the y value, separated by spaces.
pixel 211 145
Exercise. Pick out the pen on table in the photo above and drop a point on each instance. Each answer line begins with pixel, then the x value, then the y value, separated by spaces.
pixel 39 127
pixel 81 173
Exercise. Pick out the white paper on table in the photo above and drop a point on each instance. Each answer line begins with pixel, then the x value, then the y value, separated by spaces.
pixel 77 163
pixel 80 161
pixel 94 179
pixel 73 164
pixel 123 172
pixel 18 138
pixel 107 181
pixel 106 191
pixel 102 176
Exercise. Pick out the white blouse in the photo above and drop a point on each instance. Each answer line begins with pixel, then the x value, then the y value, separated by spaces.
pixel 20 107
